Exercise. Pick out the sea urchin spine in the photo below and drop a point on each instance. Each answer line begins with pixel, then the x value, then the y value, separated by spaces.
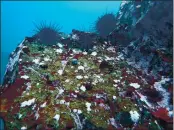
pixel 105 24
pixel 47 34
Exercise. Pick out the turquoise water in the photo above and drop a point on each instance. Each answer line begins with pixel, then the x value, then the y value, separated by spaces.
pixel 17 19
pixel 1 124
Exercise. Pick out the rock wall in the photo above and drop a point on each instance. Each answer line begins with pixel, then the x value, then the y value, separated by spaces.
pixel 12 66
pixel 145 31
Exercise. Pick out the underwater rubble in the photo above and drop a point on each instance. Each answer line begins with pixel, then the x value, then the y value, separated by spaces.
pixel 84 82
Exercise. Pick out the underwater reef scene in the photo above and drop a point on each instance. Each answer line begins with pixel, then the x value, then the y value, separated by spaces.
pixel 119 77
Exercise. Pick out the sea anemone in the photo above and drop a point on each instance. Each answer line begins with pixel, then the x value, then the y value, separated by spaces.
pixel 105 24
pixel 47 34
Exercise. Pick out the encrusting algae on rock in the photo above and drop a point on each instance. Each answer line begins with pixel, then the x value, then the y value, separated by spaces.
pixel 83 93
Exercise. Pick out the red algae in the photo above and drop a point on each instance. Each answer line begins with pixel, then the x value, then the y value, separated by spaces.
pixel 162 113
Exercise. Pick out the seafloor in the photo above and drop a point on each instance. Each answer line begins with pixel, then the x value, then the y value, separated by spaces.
pixel 61 88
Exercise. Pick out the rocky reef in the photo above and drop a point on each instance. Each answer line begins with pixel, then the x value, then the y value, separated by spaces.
pixel 145 30
pixel 87 82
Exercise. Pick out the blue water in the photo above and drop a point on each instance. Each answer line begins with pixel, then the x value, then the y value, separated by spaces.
pixel 2 124
pixel 17 19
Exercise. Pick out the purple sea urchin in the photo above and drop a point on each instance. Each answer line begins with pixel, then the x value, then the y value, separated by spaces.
pixel 47 33
pixel 105 24
pixel 85 40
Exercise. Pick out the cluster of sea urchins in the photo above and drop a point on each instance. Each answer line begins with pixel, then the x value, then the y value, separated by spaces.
pixel 47 34
pixel 105 24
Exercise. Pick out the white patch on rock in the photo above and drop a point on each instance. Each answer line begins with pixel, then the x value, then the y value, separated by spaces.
pixel 85 53
pixel 25 77
pixel 138 6
pixel 88 105
pixel 111 49
pixel 116 81
pixel 28 86
pixel 76 91
pixel 94 47
pixel 75 51
pixel 123 3
pixel 28 103
pixel 98 78
pixel 37 114
pixel 62 101
pixel 81 68
pixel 60 72
pixel 34 107
pixel 67 81
pixel 99 96
pixel 19 116
pixel 94 53
pixel 165 94
pixel 57 117
pixel 79 77
pixel 79 111
pixel 112 121
pixel 47 59
pixel 134 116
pixel 83 88
pixel 120 57
pixel 99 61
pixel 114 97
pixel 60 45
pixel 23 128
pixel 75 37
pixel 64 62
pixel 73 95
pixel 86 77
pixel 115 85
pixel 43 105
pixel 61 91
pixel 170 113
pixel 67 103
pixel 135 85
pixel 74 110
pixel 59 51
pixel 36 61
pixel 108 58
pixel 42 63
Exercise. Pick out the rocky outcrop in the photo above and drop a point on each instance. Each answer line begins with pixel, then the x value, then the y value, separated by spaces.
pixel 12 66
pixel 145 31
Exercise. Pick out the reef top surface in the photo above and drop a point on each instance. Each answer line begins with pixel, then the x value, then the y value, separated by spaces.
pixel 57 87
